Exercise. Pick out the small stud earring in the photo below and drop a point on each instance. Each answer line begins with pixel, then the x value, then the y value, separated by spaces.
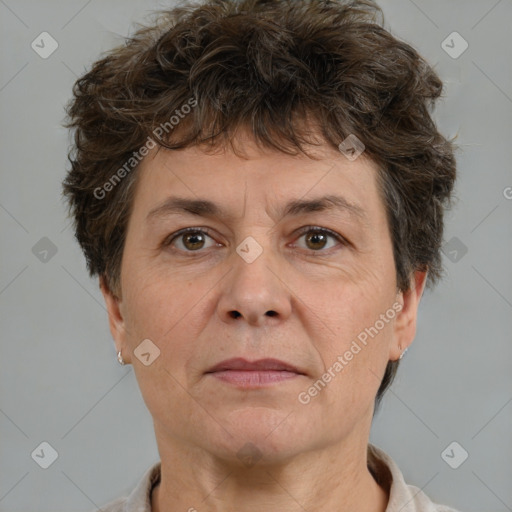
pixel 120 359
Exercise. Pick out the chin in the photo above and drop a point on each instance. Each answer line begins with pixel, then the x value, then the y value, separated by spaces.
pixel 260 434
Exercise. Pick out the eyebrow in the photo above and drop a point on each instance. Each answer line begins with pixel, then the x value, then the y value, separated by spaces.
pixel 206 208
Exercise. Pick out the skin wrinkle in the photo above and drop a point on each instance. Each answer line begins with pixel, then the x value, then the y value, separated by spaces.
pixel 190 80
pixel 313 456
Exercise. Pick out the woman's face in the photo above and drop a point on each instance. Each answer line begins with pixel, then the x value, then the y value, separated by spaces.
pixel 259 279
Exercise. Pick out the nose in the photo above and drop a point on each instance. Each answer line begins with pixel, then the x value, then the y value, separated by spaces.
pixel 255 292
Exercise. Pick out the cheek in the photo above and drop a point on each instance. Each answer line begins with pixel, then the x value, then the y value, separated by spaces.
pixel 159 312
pixel 357 345
pixel 153 299
pixel 173 316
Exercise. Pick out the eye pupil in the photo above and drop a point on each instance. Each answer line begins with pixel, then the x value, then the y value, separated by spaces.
pixel 314 237
pixel 194 245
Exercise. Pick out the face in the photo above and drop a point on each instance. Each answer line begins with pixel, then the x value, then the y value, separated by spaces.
pixel 293 261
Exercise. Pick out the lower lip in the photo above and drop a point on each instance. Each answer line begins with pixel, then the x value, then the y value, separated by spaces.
pixel 253 378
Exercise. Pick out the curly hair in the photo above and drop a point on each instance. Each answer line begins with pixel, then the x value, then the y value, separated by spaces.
pixel 265 65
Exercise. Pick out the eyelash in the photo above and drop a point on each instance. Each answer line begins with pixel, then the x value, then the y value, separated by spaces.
pixel 318 230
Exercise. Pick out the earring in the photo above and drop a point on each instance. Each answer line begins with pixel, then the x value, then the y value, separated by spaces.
pixel 403 353
pixel 120 359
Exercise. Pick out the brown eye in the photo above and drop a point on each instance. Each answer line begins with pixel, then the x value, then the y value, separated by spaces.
pixel 193 241
pixel 317 239
pixel 190 240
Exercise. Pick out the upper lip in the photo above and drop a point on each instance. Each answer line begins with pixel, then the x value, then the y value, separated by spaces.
pixel 239 363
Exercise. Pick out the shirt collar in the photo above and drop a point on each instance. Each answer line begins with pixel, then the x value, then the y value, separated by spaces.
pixel 139 499
pixel 402 497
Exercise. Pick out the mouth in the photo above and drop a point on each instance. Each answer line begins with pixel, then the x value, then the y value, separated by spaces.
pixel 247 374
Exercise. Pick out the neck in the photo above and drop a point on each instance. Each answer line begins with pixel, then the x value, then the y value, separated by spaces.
pixel 336 478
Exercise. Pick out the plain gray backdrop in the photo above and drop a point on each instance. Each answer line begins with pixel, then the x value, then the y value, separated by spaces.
pixel 60 380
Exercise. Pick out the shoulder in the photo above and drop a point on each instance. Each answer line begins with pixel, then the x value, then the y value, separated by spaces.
pixel 139 500
pixel 117 505
pixel 402 497
pixel 420 502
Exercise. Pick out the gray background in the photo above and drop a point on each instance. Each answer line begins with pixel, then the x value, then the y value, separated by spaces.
pixel 60 381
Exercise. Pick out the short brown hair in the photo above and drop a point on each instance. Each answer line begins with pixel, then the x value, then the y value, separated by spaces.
pixel 265 65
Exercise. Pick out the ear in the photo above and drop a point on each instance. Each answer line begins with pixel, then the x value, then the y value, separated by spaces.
pixel 405 323
pixel 115 319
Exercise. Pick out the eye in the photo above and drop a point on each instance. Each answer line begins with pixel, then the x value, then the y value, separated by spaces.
pixel 195 239
pixel 316 238
pixel 190 239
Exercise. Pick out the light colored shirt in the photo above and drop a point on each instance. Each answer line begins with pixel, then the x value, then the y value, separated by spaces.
pixel 402 497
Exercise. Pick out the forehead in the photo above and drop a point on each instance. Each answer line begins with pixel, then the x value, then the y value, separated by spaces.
pixel 219 184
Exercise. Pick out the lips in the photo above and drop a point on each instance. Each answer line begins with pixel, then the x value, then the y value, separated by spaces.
pixel 241 364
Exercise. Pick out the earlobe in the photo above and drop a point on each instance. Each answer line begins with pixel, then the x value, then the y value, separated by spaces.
pixel 405 324
pixel 115 317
